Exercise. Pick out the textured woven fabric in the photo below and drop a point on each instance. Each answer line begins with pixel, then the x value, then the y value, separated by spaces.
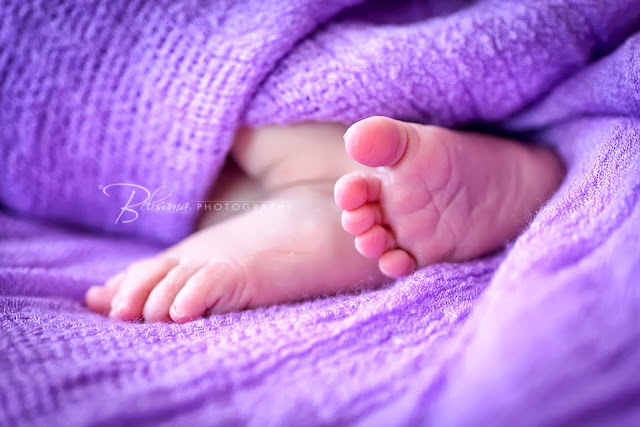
pixel 150 92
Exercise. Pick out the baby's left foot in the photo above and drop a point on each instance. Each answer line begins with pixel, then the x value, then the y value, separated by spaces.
pixel 434 194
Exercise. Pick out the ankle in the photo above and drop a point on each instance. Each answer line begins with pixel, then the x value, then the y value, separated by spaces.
pixel 296 155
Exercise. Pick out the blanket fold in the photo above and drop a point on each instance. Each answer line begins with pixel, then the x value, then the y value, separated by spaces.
pixel 151 93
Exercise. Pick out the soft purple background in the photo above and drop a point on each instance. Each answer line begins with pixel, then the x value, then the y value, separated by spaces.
pixel 92 93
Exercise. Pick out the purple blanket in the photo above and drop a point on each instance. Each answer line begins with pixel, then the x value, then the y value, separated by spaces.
pixel 99 92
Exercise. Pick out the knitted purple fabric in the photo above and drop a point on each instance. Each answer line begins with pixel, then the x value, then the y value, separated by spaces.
pixel 100 92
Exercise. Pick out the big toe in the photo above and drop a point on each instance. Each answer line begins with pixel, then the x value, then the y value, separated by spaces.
pixel 377 141
pixel 219 286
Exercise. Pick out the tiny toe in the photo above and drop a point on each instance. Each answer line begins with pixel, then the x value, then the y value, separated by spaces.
pixel 355 189
pixel 98 298
pixel 374 242
pixel 114 282
pixel 376 141
pixel 140 279
pixel 396 263
pixel 158 304
pixel 359 220
pixel 218 287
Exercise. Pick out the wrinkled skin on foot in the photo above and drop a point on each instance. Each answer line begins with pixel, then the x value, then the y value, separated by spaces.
pixel 434 195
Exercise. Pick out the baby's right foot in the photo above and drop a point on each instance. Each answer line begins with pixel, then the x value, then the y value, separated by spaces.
pixel 435 194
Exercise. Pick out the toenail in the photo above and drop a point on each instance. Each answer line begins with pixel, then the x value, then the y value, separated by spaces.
pixel 115 311
pixel 175 311
pixel 348 133
pixel 118 305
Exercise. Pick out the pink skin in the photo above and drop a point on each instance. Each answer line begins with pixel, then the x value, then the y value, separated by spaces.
pixel 412 195
pixel 436 194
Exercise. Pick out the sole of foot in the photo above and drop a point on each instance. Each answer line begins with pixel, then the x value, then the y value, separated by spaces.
pixel 434 194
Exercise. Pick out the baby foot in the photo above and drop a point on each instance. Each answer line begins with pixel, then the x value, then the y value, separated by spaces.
pixel 256 258
pixel 434 194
